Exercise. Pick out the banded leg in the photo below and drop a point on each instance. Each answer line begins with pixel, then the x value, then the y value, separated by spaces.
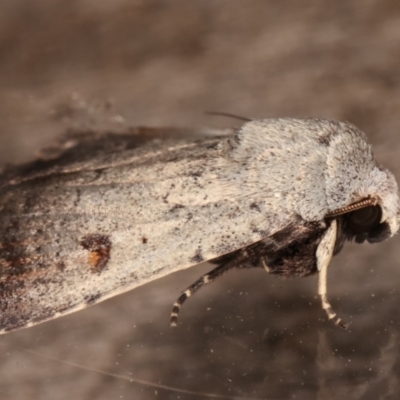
pixel 192 289
pixel 324 256
pixel 325 303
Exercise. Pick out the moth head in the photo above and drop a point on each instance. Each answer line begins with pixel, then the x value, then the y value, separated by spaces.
pixel 375 215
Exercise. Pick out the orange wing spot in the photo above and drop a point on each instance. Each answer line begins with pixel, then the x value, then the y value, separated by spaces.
pixel 99 247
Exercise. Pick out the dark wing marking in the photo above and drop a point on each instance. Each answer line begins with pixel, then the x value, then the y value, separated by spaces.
pixel 88 150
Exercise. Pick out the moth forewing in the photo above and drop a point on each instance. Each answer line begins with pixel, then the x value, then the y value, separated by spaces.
pixel 75 234
pixel 105 213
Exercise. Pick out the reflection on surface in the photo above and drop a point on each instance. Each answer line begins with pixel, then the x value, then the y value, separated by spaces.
pixel 378 382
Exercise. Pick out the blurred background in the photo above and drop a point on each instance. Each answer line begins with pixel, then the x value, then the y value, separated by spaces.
pixel 112 64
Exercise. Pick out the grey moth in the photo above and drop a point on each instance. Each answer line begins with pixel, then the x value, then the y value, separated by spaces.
pixel 102 213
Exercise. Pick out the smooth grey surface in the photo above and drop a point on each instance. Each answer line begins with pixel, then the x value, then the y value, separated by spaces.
pixel 113 64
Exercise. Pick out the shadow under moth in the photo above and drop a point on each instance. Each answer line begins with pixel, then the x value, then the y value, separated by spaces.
pixel 103 213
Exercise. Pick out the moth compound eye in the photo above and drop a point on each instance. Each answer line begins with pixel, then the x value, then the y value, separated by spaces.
pixel 365 219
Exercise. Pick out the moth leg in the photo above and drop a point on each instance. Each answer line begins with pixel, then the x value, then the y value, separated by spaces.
pixel 192 289
pixel 324 256
pixel 264 264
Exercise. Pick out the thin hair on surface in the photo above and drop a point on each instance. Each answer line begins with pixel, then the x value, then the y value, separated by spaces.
pixel 228 115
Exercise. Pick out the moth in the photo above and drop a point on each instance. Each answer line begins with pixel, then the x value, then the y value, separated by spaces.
pixel 104 213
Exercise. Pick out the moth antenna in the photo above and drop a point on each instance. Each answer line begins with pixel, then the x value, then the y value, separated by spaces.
pixel 192 289
pixel 322 291
pixel 223 114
